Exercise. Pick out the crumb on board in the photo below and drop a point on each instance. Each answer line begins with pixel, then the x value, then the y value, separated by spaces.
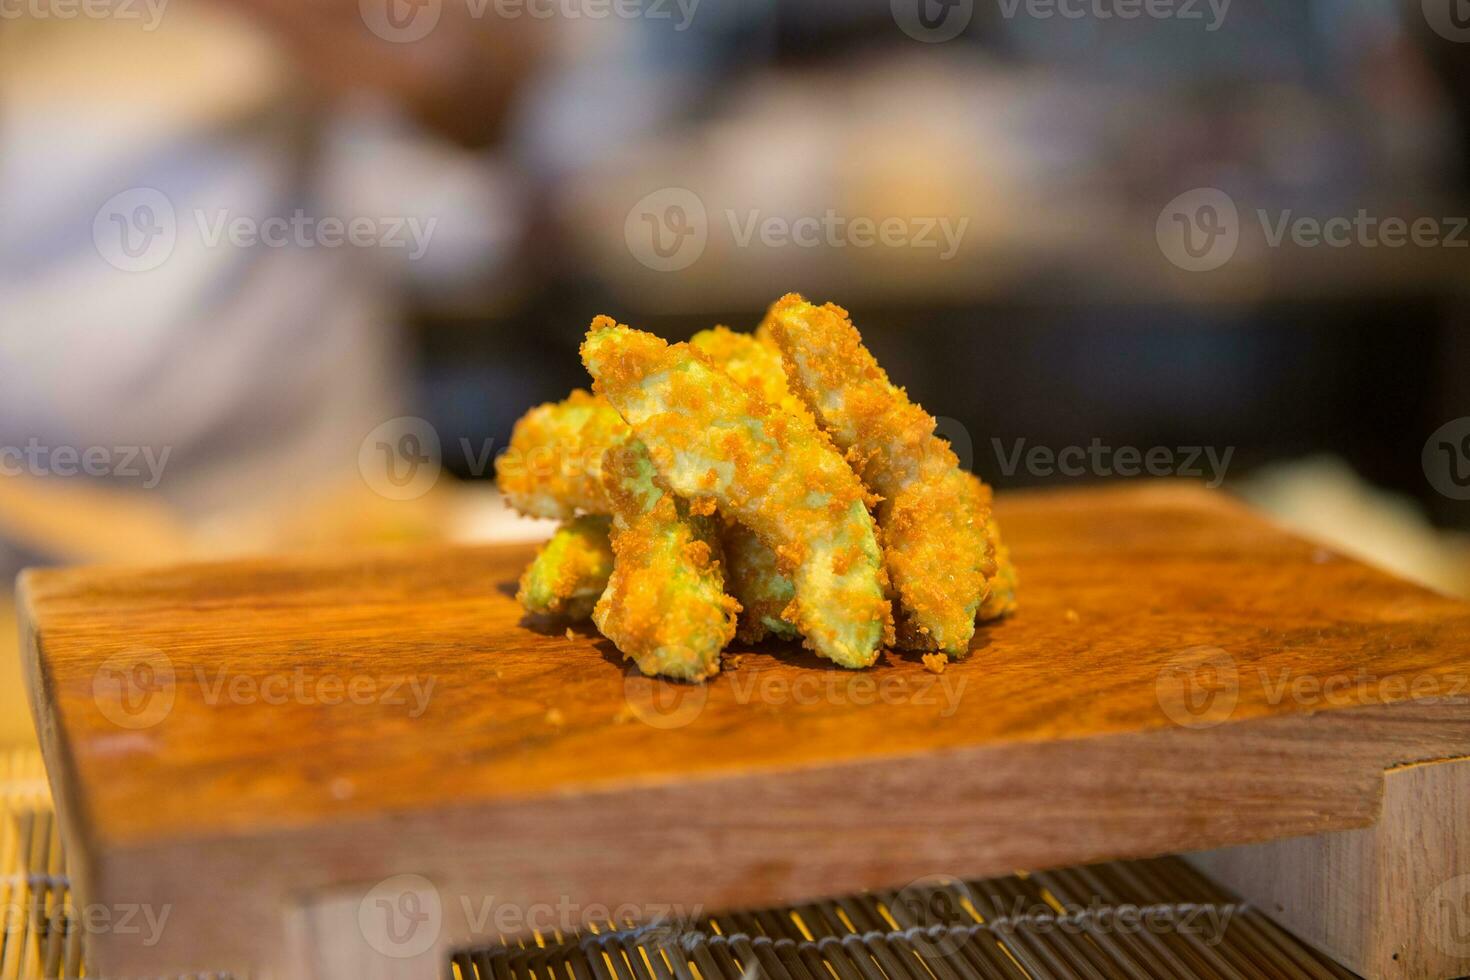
pixel 935 663
pixel 555 718
pixel 1071 616
pixel 571 635
pixel 733 661
pixel 624 715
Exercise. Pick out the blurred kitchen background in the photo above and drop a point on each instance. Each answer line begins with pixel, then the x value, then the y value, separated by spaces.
pixel 1052 221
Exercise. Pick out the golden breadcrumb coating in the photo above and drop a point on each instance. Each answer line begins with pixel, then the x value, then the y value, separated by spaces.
pixel 752 576
pixel 933 514
pixel 665 605
pixel 1002 598
pixel 771 470
pixel 753 363
pixel 570 571
pixel 553 467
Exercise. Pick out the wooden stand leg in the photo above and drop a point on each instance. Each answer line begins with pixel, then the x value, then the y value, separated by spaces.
pixel 1391 900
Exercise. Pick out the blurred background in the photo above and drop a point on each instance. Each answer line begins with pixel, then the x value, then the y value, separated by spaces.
pixel 281 274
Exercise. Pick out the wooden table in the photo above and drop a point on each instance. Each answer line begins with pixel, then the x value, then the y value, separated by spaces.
pixel 259 745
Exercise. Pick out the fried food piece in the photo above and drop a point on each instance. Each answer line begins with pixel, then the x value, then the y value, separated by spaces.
pixel 665 605
pixel 752 577
pixel 570 571
pixel 753 362
pixel 709 437
pixel 1002 598
pixel 553 467
pixel 933 514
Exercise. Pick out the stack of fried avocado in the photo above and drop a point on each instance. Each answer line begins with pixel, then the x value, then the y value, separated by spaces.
pixel 753 485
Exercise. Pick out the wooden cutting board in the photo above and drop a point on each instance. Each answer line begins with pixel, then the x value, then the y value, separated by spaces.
pixel 257 745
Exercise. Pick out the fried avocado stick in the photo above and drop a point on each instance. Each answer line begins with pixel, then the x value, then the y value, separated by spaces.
pixel 553 467
pixel 933 514
pixel 1002 598
pixel 570 571
pixel 753 362
pixel 665 605
pixel 772 471
pixel 752 577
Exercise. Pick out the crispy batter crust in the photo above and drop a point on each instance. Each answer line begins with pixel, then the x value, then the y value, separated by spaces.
pixel 553 467
pixel 665 605
pixel 754 579
pixel 752 362
pixel 1002 598
pixel 710 437
pixel 933 514
pixel 570 571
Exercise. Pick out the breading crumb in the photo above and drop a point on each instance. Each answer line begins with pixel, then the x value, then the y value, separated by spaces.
pixel 570 634
pixel 935 663
pixel 555 718
pixel 1071 616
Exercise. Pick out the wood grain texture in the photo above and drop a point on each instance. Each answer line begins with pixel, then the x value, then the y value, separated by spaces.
pixel 1155 693
pixel 1391 900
